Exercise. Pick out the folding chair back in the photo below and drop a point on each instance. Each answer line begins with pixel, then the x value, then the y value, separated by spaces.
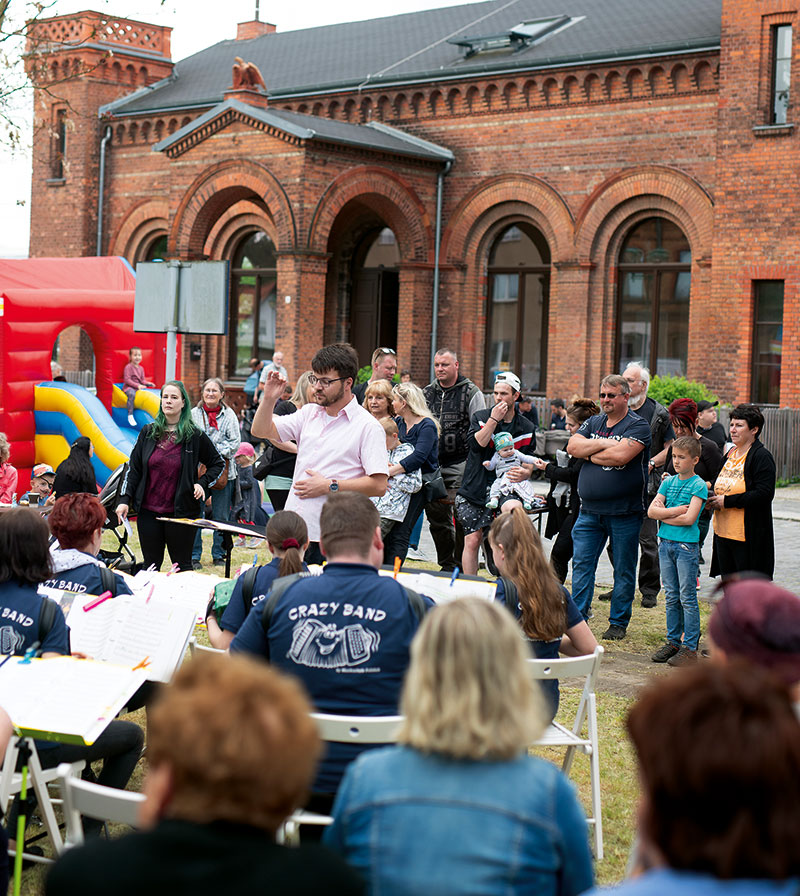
pixel 340 730
pixel 195 648
pixel 556 734
pixel 104 803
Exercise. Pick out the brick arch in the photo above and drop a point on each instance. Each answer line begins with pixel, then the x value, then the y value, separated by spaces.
pixel 215 191
pixel 390 197
pixel 243 216
pixel 143 222
pixel 654 187
pixel 528 196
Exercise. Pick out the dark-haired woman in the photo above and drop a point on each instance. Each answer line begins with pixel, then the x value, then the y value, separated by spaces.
pixel 742 500
pixel 77 523
pixel 287 537
pixel 24 565
pixel 563 501
pixel 718 748
pixel 75 473
pixel 547 614
pixel 163 481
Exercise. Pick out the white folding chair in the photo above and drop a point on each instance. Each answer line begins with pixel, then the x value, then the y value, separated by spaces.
pixel 340 730
pixel 38 779
pixel 558 735
pixel 195 648
pixel 95 801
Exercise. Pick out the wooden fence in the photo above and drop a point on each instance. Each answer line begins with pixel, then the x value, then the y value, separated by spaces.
pixel 782 436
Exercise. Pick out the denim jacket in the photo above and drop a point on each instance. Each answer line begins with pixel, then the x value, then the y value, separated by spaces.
pixel 414 823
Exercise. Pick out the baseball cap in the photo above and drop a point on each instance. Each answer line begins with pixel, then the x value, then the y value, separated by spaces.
pixel 245 448
pixel 42 470
pixel 506 376
pixel 705 405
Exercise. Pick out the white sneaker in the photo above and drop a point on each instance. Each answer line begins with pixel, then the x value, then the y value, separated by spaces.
pixel 416 555
pixel 132 420
pixel 254 543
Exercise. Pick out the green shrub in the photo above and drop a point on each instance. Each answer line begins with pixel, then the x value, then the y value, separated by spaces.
pixel 365 373
pixel 665 389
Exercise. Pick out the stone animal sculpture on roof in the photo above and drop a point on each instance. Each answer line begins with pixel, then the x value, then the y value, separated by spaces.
pixel 246 75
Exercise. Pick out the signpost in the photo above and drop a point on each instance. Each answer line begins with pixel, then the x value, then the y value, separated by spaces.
pixel 181 297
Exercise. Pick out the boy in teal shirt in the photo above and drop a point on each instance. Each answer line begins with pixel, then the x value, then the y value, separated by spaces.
pixel 678 505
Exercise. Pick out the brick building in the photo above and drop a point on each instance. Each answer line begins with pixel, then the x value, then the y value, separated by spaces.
pixel 555 188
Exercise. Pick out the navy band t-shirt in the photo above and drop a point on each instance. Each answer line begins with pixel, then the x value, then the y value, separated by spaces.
pixel 236 612
pixel 614 491
pixel 346 635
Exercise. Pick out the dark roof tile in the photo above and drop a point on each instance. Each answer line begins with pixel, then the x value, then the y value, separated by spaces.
pixel 414 46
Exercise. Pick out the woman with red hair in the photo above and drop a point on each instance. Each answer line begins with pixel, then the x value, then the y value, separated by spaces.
pixel 77 522
pixel 683 414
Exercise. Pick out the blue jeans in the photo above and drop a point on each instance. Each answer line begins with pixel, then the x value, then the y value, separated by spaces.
pixel 220 511
pixel 589 535
pixel 679 567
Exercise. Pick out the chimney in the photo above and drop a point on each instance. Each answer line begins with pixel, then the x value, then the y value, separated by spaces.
pixel 249 30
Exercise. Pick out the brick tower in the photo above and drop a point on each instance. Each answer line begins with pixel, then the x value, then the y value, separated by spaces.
pixel 78 63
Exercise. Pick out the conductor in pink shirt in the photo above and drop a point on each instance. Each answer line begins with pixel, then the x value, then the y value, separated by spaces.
pixel 340 445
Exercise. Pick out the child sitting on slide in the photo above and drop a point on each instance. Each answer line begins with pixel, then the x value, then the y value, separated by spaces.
pixel 133 379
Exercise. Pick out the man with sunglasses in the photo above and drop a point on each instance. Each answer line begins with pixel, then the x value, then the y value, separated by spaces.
pixel 340 445
pixel 612 487
pixel 384 367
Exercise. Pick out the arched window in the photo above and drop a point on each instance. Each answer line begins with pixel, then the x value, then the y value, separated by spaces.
pixel 519 291
pixel 157 250
pixel 653 301
pixel 252 311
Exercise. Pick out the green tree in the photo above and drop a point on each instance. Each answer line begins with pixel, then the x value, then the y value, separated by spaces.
pixel 665 389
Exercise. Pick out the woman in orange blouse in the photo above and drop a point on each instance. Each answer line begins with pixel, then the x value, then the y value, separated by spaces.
pixel 742 500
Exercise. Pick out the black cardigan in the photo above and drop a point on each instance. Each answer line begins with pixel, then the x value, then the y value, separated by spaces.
pixel 197 449
pixel 570 473
pixel 759 490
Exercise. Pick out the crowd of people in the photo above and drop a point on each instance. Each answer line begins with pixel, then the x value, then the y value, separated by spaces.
pixel 457 805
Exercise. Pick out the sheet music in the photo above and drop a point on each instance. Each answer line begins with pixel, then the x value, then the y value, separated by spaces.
pixel 439 588
pixel 64 698
pixel 129 630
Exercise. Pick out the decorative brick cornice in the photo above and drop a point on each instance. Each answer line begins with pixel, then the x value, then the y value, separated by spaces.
pixel 226 117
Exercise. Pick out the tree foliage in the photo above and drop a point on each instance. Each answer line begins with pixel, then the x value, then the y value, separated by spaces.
pixel 665 389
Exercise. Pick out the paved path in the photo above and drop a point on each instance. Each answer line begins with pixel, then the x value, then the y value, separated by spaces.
pixel 786 522
pixel 624 673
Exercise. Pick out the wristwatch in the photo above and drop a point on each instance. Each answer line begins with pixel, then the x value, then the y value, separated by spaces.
pixel 334 486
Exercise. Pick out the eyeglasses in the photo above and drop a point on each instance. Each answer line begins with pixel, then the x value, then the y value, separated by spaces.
pixel 387 351
pixel 611 394
pixel 324 381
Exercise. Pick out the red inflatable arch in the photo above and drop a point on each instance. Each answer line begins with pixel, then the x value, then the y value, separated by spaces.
pixel 41 297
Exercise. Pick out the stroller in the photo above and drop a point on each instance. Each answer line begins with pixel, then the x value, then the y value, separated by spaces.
pixel 121 557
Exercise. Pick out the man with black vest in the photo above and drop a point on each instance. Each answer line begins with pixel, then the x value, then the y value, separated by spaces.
pixel 453 399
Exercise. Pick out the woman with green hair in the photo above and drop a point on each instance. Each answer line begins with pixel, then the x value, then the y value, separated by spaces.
pixel 163 479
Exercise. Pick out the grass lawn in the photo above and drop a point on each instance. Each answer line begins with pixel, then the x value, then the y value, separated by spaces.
pixel 626 668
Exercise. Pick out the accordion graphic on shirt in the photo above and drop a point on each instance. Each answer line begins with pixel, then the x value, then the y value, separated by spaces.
pixel 321 646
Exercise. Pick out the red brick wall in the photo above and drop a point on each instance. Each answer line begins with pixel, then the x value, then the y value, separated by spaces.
pixel 581 154
pixel 756 229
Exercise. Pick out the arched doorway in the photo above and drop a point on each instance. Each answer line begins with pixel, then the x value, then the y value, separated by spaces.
pixel 518 297
pixel 252 306
pixel 654 279
pixel 73 357
pixel 374 303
